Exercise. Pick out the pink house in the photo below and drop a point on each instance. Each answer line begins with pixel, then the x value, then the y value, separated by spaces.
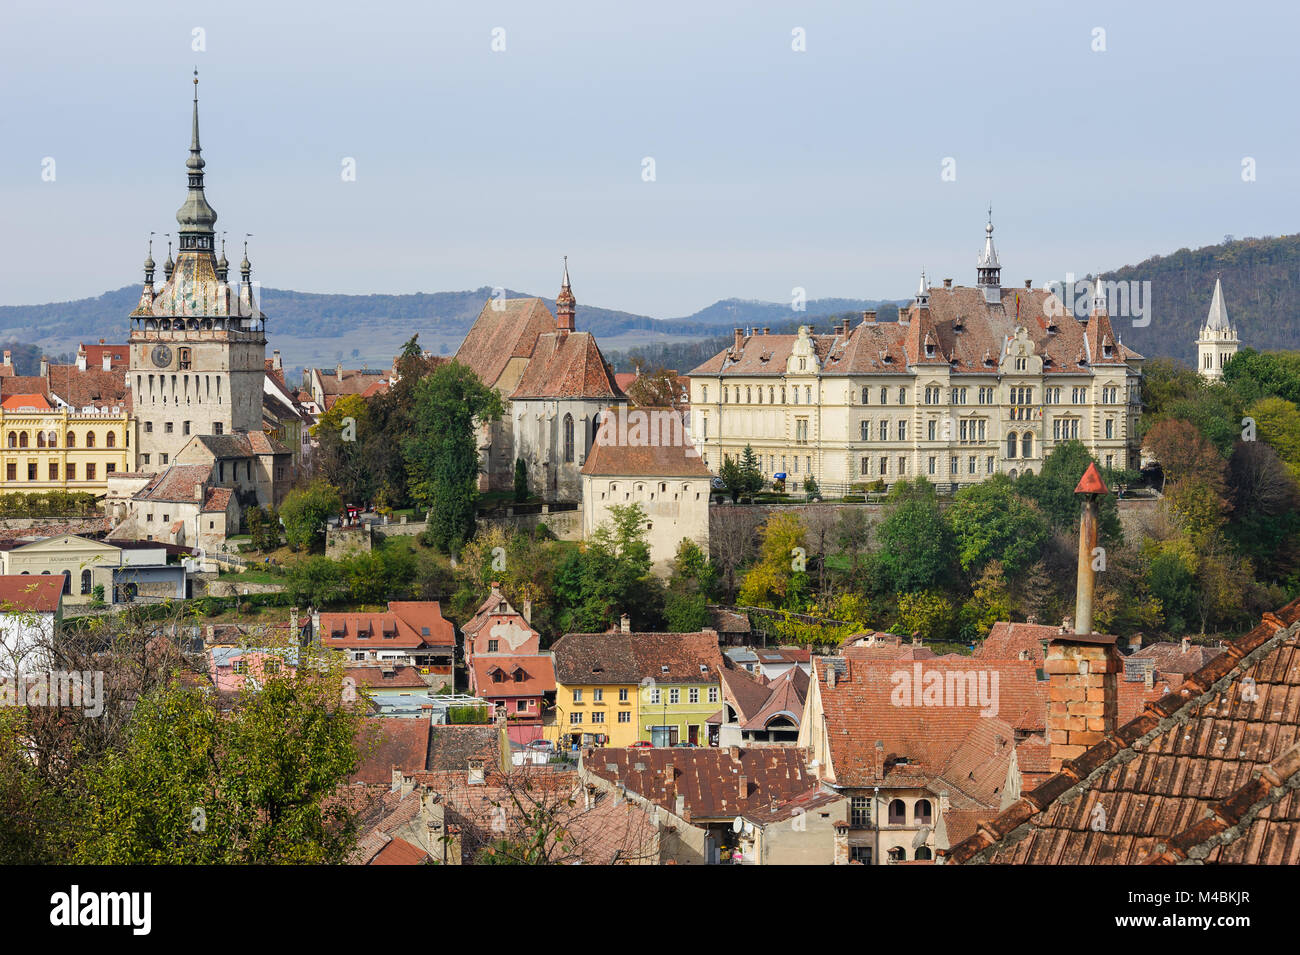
pixel 505 664
pixel 231 668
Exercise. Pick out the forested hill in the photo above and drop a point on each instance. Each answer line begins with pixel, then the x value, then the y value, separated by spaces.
pixel 1261 287
pixel 348 317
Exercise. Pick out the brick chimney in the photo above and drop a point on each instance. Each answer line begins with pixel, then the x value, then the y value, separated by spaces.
pixel 45 366
pixel 275 360
pixel 869 315
pixel 338 371
pixel 107 362
pixel 528 612
pixel 81 358
pixel 947 283
pixel 1187 644
pixel 9 357
pixel 739 342
pixel 1082 666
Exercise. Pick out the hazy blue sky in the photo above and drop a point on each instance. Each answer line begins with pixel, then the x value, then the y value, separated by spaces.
pixel 774 168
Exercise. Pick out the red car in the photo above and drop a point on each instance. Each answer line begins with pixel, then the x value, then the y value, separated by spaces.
pixel 642 744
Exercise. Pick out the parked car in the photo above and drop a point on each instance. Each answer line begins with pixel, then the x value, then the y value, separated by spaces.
pixel 718 484
pixel 544 745
pixel 684 744
pixel 641 744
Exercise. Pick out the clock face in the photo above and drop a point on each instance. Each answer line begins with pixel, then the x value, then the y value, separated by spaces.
pixel 162 356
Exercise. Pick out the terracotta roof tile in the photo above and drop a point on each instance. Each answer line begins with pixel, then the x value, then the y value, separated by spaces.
pixel 40 593
pixel 617 459
pixel 567 365
pixel 627 658
pixel 498 335
pixel 538 672
pixel 1182 781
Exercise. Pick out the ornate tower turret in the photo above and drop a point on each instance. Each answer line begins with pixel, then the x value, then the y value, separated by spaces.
pixel 988 269
pixel 565 304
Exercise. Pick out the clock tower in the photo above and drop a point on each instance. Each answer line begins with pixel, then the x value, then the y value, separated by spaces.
pixel 198 346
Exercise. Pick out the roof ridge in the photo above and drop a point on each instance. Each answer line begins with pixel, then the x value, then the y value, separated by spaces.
pixel 1120 744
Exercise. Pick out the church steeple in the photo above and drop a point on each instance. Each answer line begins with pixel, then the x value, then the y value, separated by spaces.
pixel 196 217
pixel 1218 341
pixel 565 304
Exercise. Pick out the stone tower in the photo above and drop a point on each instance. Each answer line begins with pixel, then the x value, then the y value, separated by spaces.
pixel 1218 341
pixel 198 347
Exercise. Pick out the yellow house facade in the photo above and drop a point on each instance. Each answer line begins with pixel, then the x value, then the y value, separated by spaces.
pixel 58 449
pixel 620 688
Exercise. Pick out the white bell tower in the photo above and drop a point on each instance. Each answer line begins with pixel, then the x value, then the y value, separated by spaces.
pixel 1218 341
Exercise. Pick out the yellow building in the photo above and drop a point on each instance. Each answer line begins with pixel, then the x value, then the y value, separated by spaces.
pixel 616 689
pixel 49 448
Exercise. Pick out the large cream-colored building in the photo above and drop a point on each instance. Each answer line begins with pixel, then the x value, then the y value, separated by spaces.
pixel 967 383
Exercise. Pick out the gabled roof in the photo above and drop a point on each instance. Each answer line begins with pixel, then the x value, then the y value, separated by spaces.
pixel 538 670
pixel 177 483
pixel 785 699
pixel 567 365
pixel 1209 773
pixel 917 741
pixel 628 658
pixel 30 593
pixel 93 387
pixel 615 459
pixel 385 742
pixel 451 748
pixel 406 625
pixel 500 334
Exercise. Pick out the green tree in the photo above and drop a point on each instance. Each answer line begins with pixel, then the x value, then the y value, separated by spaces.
pixel 779 578
pixel 315 581
pixel 305 512
pixel 521 481
pixel 442 457
pixel 195 785
pixel 991 522
pixel 1053 491
pixel 346 438
pixel 916 545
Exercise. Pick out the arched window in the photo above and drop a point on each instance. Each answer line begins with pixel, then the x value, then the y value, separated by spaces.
pixel 40 439
pixel 568 439
pixel 13 439
pixel 898 854
pixel 22 439
pixel 52 439
pixel 922 810
pixel 897 812
pixel 1011 445
pixel 111 440
pixel 67 582
pixel 866 396
pixel 90 439
pixel 1027 445
pixel 85 582
pixel 72 440
pixel 923 852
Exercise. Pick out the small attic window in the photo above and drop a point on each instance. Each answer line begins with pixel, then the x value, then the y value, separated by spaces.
pixel 929 350
pixel 1107 350
pixel 663 668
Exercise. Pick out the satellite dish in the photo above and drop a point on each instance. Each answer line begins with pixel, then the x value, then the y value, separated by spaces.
pixel 738 825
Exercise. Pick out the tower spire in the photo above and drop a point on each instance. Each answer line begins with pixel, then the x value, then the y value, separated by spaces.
pixel 196 217
pixel 565 304
pixel 987 266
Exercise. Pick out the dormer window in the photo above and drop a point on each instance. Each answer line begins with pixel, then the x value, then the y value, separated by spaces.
pixel 929 350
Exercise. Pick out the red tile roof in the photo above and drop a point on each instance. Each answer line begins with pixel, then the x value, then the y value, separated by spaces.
pixel 497 336
pixel 714 783
pixel 538 672
pixel 177 483
pixel 625 658
pixel 917 741
pixel 381 677
pixel 1209 773
pixel 619 458
pixel 24 402
pixel 406 625
pixel 968 334
pixel 385 742
pixel 567 365
pixel 28 593
pixel 400 852
pixel 119 356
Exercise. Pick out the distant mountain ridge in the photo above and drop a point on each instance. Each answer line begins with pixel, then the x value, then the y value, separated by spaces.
pixel 1261 282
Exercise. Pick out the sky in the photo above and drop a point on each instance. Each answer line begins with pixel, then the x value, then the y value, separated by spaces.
pixel 1102 133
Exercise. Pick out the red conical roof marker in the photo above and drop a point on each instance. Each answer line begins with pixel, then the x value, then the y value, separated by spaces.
pixel 1091 482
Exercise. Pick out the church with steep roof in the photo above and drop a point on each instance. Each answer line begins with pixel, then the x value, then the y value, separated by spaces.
pixel 556 384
